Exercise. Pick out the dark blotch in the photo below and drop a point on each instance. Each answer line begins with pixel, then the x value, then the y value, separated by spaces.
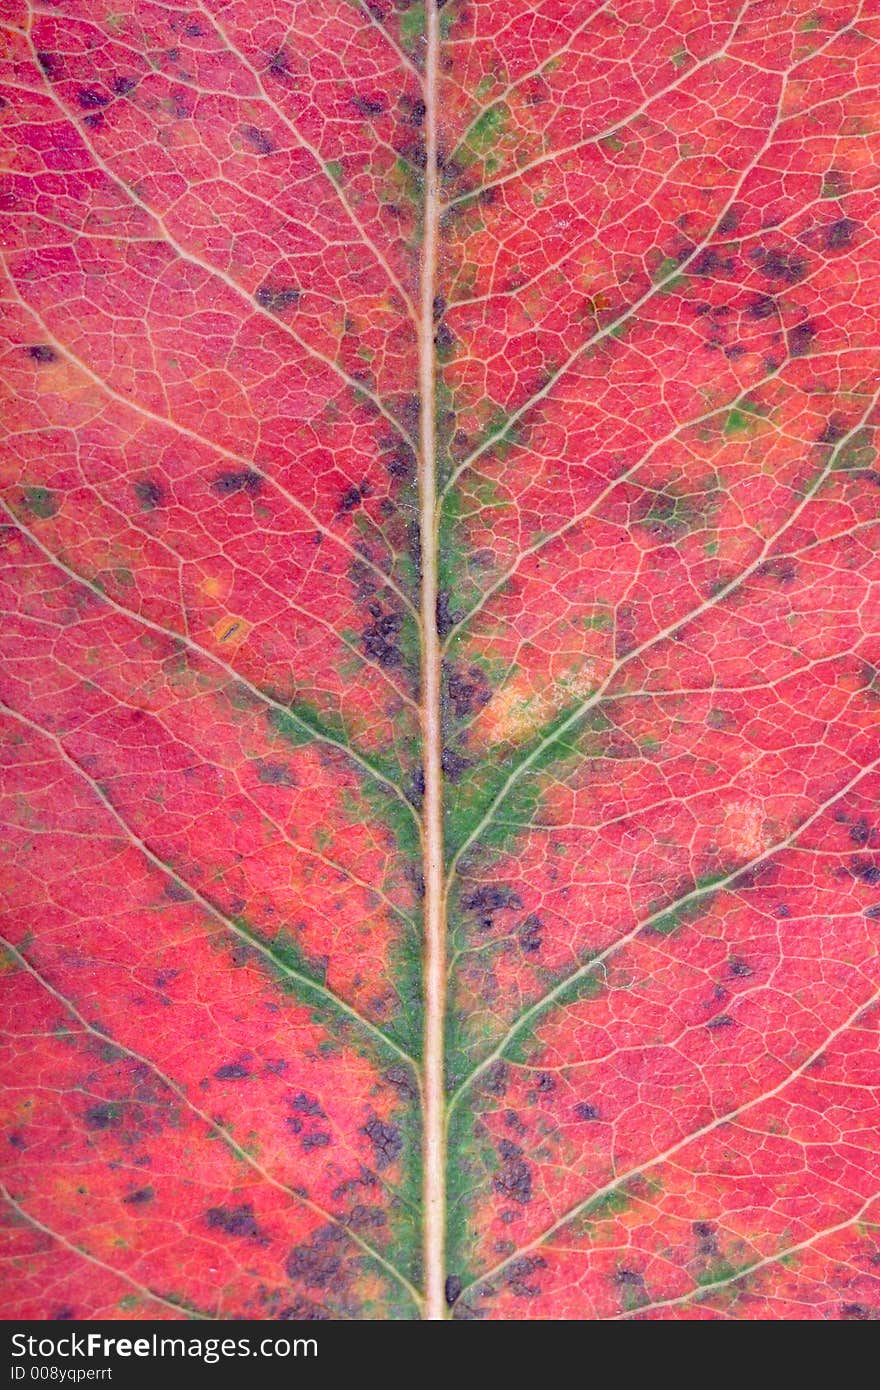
pixel 453 764
pixel 496 1078
pixel 722 1021
pixel 123 85
pixel 89 99
pixel 781 265
pixel 386 1141
pixel 368 106
pixel 353 496
pixel 800 339
pixel 444 338
pixel 277 298
pixel 446 619
pixel 840 233
pixel 40 352
pixel 274 775
pixel 740 968
pixel 319 1264
pixel 860 831
pixel 177 893
pixel 409 411
pixel 452 1289
pixel 417 113
pixel 235 1221
pixel 832 432
pixel 514 1182
pixel 305 1104
pixel 233 1071
pixel 783 569
pixel 706 263
pixel 762 307
pixel 148 493
pixel 140 1197
pixel 278 64
pixel 319 1140
pixel 468 690
pixel 246 480
pixel 416 789
pixel 401 463
pixel 102 1117
pixel 730 221
pixel 363 1218
pixel 402 1081
pixel 585 1111
pixel 51 64
pixel 488 900
pixel 530 939
pixel 865 869
pixel 379 639
pixel 519 1270
pixel 707 1243
pixel 257 139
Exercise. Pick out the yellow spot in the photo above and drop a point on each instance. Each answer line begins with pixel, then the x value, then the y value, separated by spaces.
pixel 231 631
pixel 745 828
pixel 64 379
pixel 522 708
pixel 212 587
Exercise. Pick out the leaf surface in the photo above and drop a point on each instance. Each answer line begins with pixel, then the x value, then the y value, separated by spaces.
pixel 440 660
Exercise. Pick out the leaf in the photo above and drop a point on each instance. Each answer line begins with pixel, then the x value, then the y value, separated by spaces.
pixel 439 684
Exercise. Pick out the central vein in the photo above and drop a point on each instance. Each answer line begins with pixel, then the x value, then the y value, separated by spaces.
pixel 434 1143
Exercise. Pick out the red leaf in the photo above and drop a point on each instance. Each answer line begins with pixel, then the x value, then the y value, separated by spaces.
pixel 439 685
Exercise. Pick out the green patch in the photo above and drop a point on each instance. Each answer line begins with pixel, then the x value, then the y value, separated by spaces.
pixel 600 621
pixel 475 1160
pixel 665 278
pixel 740 420
pixel 677 513
pixel 609 1204
pixel 41 502
pixel 521 1044
pixel 556 746
pixel 486 130
pixel 679 57
pixel 502 434
pixel 857 454
pixel 333 170
pixel 412 25
pixel 300 723
pixel 408 182
pixel 721 1272
pixel 699 898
